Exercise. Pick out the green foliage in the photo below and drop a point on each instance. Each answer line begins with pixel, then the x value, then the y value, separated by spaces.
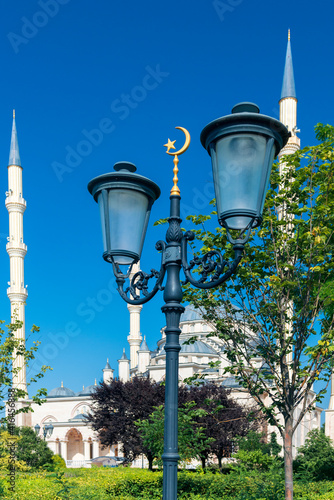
pixel 58 462
pixel 256 441
pixel 136 484
pixel 315 460
pixel 191 436
pixel 275 448
pixel 255 454
pixel 10 348
pixel 133 484
pixel 31 449
pixel 255 460
pixel 8 443
pixel 62 483
pixel 253 441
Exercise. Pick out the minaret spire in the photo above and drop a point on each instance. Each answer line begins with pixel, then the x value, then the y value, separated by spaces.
pixel 14 153
pixel 16 249
pixel 288 87
pixel 288 103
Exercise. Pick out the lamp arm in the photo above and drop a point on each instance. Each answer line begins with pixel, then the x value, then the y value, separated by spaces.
pixel 140 281
pixel 211 262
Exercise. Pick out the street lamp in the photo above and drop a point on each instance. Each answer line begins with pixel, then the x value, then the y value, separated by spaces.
pixel 242 147
pixel 47 430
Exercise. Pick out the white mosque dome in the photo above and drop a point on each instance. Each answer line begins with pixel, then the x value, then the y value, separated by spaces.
pixel 61 392
pixel 191 314
pixel 197 347
pixel 90 389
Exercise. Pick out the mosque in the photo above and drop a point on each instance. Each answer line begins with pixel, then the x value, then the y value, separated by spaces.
pixel 72 438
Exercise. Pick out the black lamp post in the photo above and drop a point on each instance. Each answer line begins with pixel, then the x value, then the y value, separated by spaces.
pixel 242 147
pixel 47 430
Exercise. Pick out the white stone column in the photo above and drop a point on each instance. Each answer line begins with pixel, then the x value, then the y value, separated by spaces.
pixel 96 448
pixel 86 449
pixel 52 445
pixel 134 337
pixel 120 452
pixel 63 448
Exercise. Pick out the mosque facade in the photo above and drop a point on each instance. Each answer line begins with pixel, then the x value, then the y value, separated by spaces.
pixel 72 437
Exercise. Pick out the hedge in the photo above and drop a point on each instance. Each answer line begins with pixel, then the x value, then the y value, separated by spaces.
pixel 136 484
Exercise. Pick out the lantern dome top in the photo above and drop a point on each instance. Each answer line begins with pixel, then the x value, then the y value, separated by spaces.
pixel 245 107
pixel 245 117
pixel 124 176
pixel 125 165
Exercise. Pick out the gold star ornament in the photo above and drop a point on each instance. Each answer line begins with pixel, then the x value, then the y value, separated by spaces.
pixel 170 145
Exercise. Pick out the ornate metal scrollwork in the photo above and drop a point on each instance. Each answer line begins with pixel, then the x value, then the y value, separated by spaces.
pixel 208 265
pixel 214 269
pixel 139 282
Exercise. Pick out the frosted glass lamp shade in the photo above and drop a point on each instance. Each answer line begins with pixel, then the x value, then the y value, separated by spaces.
pixel 125 200
pixel 242 147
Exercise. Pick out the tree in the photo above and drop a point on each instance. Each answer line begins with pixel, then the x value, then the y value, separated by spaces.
pixel 254 441
pixel 10 347
pixel 31 449
pixel 117 406
pixel 315 460
pixel 276 314
pixel 7 460
pixel 258 441
pixel 208 422
pixel 224 418
pixel 192 438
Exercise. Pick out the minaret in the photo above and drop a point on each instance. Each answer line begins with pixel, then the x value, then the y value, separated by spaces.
pixel 124 368
pixel 329 413
pixel 144 357
pixel 16 249
pixel 288 116
pixel 108 373
pixel 134 337
pixel 288 104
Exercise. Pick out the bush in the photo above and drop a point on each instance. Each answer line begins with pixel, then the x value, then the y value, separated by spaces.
pixel 31 449
pixel 200 485
pixel 256 460
pixel 315 460
pixel 138 484
pixel 58 462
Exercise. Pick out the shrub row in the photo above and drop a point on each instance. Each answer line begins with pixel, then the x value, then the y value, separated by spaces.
pixel 137 484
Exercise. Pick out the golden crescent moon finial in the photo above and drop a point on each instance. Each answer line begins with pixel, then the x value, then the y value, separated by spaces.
pixel 288 34
pixel 170 145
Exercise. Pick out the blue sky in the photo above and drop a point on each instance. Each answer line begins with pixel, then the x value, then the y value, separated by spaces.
pixel 98 82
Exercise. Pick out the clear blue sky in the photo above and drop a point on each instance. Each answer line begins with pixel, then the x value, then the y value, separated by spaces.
pixel 68 68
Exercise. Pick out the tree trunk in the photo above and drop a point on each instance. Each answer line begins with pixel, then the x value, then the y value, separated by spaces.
pixel 203 462
pixel 150 461
pixel 288 459
pixel 220 463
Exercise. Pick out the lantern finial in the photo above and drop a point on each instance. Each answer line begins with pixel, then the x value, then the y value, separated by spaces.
pixel 170 145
